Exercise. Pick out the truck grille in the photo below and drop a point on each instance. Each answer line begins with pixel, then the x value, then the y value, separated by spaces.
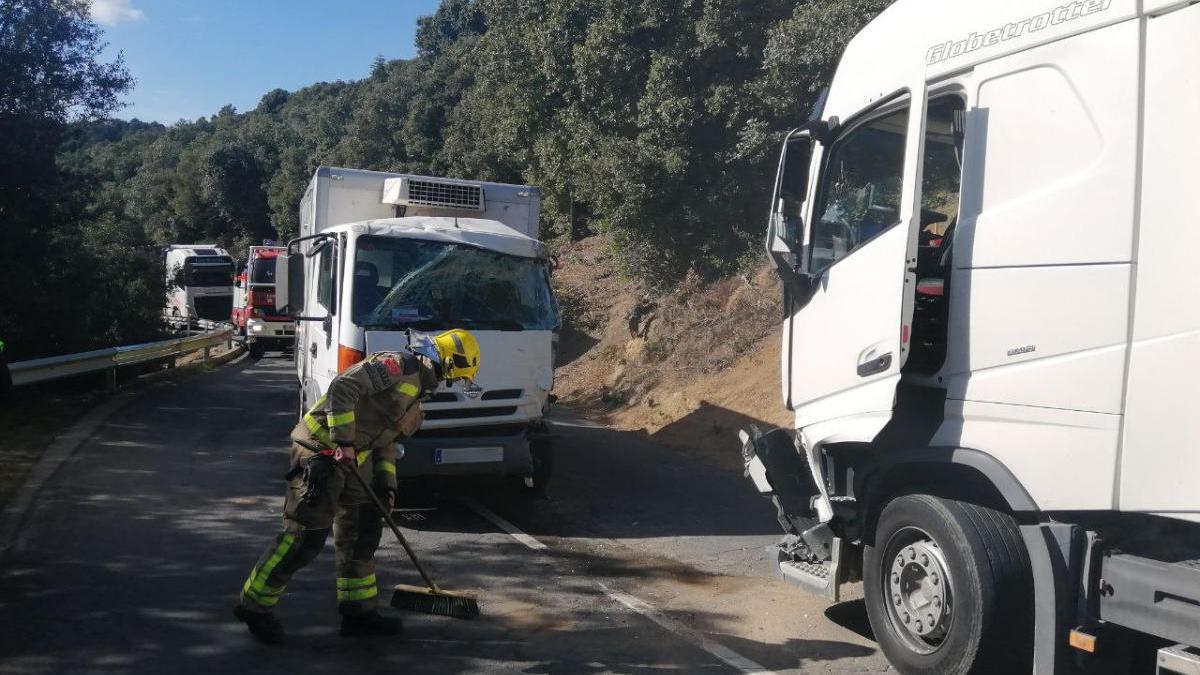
pixel 469 413
pixel 452 195
pixel 501 394
pixel 214 307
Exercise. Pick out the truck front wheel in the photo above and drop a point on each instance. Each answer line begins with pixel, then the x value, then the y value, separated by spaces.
pixel 948 588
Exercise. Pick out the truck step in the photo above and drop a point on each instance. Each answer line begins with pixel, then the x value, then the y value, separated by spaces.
pixel 1153 596
pixel 1178 660
pixel 818 578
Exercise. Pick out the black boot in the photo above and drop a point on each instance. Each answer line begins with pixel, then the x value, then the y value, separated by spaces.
pixel 265 627
pixel 370 624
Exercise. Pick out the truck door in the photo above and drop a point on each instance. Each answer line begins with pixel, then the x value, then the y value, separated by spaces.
pixel 320 339
pixel 849 340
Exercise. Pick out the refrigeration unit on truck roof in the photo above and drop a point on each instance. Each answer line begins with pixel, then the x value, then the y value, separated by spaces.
pixel 339 196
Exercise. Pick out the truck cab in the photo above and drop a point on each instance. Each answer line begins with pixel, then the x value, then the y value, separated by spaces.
pixel 383 258
pixel 254 315
pixel 199 284
pixel 980 231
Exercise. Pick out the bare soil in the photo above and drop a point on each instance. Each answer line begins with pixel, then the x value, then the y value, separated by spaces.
pixel 689 368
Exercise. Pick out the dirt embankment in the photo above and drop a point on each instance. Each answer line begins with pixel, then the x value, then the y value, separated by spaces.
pixel 689 367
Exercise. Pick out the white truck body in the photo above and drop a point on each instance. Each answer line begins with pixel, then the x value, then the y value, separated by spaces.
pixel 199 284
pixel 1036 300
pixel 377 221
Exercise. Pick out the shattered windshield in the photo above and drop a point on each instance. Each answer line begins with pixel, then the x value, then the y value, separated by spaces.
pixel 426 285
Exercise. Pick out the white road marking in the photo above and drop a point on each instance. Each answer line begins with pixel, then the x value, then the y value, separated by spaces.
pixel 728 656
pixel 576 425
pixel 503 524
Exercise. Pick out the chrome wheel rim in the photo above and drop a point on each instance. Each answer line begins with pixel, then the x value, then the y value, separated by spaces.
pixel 917 590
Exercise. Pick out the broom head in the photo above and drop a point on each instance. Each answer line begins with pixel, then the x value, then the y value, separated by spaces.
pixel 427 601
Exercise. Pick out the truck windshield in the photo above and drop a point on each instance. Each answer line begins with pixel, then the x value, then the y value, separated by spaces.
pixel 262 271
pixel 411 283
pixel 210 276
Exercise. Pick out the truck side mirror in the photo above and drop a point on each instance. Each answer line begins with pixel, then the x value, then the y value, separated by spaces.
pixel 786 231
pixel 289 295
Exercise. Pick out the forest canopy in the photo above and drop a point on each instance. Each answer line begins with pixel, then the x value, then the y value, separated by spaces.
pixel 656 120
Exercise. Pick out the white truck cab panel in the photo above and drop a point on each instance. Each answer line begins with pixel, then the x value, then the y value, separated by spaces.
pixel 1160 459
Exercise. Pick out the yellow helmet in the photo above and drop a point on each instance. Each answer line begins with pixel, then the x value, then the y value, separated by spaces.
pixel 459 354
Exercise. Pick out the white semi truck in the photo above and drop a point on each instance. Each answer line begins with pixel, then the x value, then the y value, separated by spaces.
pixel 987 236
pixel 381 256
pixel 199 284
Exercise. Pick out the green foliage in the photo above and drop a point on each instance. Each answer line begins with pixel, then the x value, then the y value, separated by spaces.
pixel 68 282
pixel 657 120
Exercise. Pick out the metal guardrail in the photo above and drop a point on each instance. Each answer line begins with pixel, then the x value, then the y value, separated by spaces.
pixel 55 367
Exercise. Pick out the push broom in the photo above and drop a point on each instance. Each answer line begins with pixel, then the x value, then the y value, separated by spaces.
pixel 431 599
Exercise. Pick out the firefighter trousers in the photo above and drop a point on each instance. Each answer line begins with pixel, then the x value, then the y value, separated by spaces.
pixel 346 509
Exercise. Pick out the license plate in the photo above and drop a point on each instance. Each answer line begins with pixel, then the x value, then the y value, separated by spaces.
pixel 468 455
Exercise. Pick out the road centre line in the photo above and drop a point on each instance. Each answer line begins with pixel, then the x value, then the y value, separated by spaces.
pixel 503 524
pixel 726 655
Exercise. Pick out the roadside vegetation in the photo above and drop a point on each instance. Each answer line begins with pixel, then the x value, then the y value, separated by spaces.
pixel 653 122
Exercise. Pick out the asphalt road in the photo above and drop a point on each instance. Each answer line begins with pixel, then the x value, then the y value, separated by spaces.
pixel 640 560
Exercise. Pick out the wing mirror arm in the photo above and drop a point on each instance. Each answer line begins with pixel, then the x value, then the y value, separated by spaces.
pixel 798 283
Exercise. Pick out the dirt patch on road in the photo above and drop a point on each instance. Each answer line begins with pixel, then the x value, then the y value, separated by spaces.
pixel 689 367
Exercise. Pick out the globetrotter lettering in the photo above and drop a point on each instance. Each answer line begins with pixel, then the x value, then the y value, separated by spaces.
pixel 953 49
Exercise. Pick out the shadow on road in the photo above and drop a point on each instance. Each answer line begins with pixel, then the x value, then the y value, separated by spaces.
pixel 852 616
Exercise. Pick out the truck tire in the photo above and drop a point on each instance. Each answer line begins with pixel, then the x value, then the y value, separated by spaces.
pixel 948 588
pixel 257 350
pixel 542 454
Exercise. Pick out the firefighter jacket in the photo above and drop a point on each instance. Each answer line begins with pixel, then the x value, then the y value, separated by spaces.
pixel 369 407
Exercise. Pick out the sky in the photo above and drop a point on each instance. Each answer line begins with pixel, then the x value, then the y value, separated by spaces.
pixel 190 57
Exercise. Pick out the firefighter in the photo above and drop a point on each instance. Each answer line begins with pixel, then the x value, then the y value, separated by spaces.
pixel 5 376
pixel 368 408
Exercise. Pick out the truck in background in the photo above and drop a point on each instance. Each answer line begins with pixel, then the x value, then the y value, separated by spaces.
pixel 199 284
pixel 259 325
pixel 986 235
pixel 382 256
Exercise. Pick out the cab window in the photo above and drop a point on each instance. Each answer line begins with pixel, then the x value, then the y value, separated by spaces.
pixel 326 268
pixel 861 188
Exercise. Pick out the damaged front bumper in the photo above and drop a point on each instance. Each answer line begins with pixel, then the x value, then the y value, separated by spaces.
pixel 809 555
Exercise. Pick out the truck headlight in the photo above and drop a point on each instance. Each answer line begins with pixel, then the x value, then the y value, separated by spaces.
pixel 256 327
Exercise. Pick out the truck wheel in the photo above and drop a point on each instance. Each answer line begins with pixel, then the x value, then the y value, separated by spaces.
pixel 948 588
pixel 257 351
pixel 541 452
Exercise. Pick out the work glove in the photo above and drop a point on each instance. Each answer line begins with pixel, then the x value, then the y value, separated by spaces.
pixel 314 471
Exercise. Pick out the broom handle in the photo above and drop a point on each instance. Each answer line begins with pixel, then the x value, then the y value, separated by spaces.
pixel 387 517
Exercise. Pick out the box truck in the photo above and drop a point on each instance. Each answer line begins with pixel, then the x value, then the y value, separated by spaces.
pixel 986 234
pixel 383 257
pixel 199 284
pixel 254 316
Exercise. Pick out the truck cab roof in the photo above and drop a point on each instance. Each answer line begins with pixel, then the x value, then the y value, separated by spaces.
pixel 925 40
pixel 478 232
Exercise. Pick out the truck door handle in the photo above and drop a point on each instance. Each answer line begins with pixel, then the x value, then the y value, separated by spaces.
pixel 312 349
pixel 875 366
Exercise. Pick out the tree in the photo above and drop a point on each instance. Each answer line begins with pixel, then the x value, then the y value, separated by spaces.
pixel 50 74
